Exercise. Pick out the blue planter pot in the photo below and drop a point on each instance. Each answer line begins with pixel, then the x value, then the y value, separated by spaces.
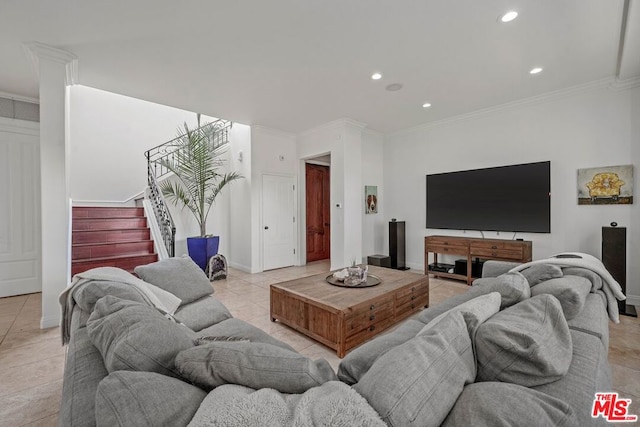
pixel 202 248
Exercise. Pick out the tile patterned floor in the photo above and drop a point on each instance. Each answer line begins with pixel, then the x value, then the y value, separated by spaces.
pixel 32 360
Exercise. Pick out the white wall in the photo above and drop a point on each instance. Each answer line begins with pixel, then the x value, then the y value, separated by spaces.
pixel 595 126
pixel 108 135
pixel 240 235
pixel 374 226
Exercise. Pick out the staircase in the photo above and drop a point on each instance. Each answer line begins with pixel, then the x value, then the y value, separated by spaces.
pixel 110 237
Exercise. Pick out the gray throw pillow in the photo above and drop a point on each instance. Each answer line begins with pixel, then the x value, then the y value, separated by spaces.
pixel 496 404
pixel 571 291
pixel 127 398
pixel 202 313
pixel 180 276
pixel 254 365
pixel 540 273
pixel 136 337
pixel 476 311
pixel 527 344
pixel 513 287
pixel 87 294
pixel 420 380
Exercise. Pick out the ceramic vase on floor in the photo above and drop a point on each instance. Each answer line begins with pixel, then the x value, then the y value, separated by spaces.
pixel 202 248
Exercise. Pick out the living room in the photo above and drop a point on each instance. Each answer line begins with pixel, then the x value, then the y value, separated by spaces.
pixel 582 120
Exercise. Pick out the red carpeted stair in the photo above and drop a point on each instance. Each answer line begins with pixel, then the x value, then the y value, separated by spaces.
pixel 110 237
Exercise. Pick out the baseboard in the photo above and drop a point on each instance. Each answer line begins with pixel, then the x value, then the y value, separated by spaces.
pixel 633 300
pixel 415 266
pixel 240 267
pixel 49 322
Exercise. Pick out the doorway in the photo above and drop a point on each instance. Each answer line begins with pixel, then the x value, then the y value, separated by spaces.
pixel 318 212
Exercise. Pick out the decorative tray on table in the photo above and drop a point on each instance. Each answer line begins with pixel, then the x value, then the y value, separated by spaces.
pixel 371 280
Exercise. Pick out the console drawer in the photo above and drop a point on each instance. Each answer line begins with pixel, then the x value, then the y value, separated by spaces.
pixel 448 249
pixel 515 254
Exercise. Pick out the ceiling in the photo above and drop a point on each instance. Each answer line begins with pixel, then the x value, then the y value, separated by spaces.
pixel 296 64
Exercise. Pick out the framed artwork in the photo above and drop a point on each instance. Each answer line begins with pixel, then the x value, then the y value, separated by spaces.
pixel 610 185
pixel 370 199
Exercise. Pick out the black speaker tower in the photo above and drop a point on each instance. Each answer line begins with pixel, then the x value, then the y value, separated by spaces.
pixel 614 258
pixel 397 245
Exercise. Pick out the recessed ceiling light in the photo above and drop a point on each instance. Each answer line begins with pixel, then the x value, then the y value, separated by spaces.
pixel 509 16
pixel 426 105
pixel 535 70
pixel 376 76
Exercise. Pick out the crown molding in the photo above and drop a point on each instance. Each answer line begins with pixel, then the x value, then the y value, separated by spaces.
pixel 37 51
pixel 274 132
pixel 545 97
pixel 619 85
pixel 15 97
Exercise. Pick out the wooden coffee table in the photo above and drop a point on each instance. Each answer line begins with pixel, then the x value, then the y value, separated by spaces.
pixel 343 318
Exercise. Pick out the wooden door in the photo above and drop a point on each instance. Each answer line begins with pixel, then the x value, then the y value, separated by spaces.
pixel 318 212
pixel 278 221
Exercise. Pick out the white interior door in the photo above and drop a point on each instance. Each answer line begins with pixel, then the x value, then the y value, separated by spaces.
pixel 19 213
pixel 278 222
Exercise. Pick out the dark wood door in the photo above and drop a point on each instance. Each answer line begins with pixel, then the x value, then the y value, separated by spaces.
pixel 318 213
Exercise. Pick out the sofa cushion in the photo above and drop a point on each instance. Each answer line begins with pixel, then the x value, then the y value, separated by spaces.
pixel 145 399
pixel 571 291
pixel 593 319
pixel 420 380
pixel 513 287
pixel 87 294
pixel 527 344
pixel 136 337
pixel 495 404
pixel 255 365
pixel 83 371
pixel 358 361
pixel 180 276
pixel 589 373
pixel 477 311
pixel 204 312
pixel 237 329
pixel 537 273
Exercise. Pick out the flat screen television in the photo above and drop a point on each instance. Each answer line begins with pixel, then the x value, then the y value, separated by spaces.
pixel 507 198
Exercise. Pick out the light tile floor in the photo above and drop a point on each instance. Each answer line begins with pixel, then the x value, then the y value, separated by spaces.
pixel 32 360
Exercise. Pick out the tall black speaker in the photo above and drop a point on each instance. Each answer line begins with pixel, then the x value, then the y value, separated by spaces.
pixel 614 258
pixel 397 245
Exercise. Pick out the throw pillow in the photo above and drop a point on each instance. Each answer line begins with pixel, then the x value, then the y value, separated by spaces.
pixel 202 313
pixel 494 404
pixel 527 344
pixel 476 311
pixel 180 276
pixel 418 382
pixel 254 365
pixel 136 337
pixel 87 294
pixel 145 399
pixel 571 291
pixel 513 287
pixel 540 273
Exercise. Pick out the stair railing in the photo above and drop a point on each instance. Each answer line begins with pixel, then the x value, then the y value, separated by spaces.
pixel 161 212
pixel 217 133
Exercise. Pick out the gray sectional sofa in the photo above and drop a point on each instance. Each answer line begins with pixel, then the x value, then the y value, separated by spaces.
pixel 525 348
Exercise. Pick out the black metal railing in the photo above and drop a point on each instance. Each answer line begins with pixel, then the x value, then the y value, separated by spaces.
pixel 217 133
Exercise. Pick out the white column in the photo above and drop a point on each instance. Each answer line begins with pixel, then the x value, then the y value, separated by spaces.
pixel 55 69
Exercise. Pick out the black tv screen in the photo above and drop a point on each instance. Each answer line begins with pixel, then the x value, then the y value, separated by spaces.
pixel 507 198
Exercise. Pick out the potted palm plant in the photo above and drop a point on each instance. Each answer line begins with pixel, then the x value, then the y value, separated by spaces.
pixel 199 179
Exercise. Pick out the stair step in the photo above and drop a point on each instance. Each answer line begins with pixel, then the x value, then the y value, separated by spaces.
pixel 110 236
pixel 101 250
pixel 125 262
pixel 106 212
pixel 83 224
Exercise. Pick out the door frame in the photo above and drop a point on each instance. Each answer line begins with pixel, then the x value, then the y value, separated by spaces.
pixel 296 214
